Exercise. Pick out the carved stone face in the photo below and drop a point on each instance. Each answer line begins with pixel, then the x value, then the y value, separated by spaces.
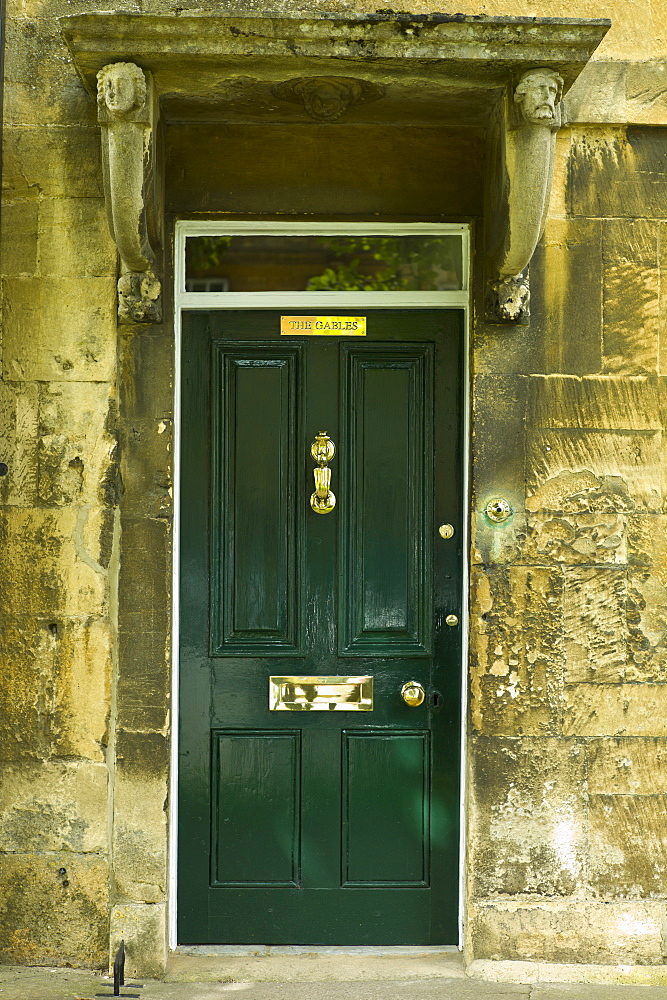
pixel 538 93
pixel 119 91
pixel 122 88
pixel 326 100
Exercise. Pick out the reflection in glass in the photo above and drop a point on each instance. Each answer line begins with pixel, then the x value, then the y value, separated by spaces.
pixel 324 263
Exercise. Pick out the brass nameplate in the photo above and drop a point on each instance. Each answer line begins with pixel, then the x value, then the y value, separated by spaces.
pixel 320 694
pixel 323 326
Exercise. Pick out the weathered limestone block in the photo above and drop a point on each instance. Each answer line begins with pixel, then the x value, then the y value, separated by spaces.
pixel 572 470
pixel 18 443
pixel 41 86
pixel 630 296
pixel 498 464
pixel 568 930
pixel 647 543
pixel 627 766
pixel 26 104
pixel 76 450
pixel 53 806
pixel 566 273
pixel 74 239
pixel 646 91
pixel 595 627
pixel 662 301
pixel 54 909
pixel 59 329
pixel 617 173
pixel 647 624
pixel 499 415
pixel 598 95
pixel 628 845
pixel 516 650
pixel 497 544
pixel 576 539
pixel 146 455
pixel 55 688
pixel 143 693
pixel 140 829
pixel 18 246
pixel 68 578
pixel 143 928
pixel 598 402
pixel 618 92
pixel 530 833
pixel 615 710
pixel 146 359
pixel 145 574
pixel 559 203
pixel 60 161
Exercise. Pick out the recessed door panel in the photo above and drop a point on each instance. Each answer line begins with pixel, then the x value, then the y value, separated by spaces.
pixel 254 552
pixel 386 588
pixel 256 809
pixel 386 823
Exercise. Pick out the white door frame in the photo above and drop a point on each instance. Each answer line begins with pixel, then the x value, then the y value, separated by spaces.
pixel 184 300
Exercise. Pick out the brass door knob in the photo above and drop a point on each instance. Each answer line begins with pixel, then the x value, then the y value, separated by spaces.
pixel 412 693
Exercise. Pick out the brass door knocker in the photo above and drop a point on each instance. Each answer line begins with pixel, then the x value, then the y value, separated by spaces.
pixel 323 450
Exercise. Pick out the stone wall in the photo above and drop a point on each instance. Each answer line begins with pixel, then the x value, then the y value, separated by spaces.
pixel 568 849
pixel 568 697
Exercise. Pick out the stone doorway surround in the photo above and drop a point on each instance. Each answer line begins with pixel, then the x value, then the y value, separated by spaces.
pixel 505 76
pixel 455 71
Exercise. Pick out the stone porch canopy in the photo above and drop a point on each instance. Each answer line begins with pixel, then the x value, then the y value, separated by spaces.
pixel 403 69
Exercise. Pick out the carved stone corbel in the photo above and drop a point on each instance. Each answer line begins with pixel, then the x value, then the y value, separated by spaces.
pixel 127 116
pixel 526 161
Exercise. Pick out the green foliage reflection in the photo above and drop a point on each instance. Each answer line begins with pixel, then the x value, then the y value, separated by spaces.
pixel 380 264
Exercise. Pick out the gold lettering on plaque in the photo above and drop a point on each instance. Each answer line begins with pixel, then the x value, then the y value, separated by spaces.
pixel 323 326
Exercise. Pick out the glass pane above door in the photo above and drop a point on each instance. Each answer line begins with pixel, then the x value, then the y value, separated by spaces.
pixel 326 263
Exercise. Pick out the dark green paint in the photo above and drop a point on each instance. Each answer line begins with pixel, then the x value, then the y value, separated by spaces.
pixel 319 827
pixel 255 836
pixel 386 823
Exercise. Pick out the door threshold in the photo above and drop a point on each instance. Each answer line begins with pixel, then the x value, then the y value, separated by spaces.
pixel 312 963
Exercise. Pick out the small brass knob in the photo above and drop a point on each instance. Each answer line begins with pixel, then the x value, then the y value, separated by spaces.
pixel 412 693
pixel 452 620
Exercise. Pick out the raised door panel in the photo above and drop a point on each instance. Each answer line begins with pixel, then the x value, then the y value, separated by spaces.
pixel 255 520
pixel 386 795
pixel 256 812
pixel 386 579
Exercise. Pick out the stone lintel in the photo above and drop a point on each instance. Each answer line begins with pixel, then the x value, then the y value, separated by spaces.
pixel 491 49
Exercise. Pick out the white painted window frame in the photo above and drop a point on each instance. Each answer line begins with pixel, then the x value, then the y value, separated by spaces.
pixel 306 300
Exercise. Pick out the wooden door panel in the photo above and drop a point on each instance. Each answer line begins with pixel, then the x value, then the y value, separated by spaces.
pixel 385 607
pixel 256 810
pixel 255 522
pixel 386 823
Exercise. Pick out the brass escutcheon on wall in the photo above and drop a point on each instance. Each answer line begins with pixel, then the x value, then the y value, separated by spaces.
pixel 498 510
pixel 323 450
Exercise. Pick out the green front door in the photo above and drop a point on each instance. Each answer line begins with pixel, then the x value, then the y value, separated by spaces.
pixel 336 826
